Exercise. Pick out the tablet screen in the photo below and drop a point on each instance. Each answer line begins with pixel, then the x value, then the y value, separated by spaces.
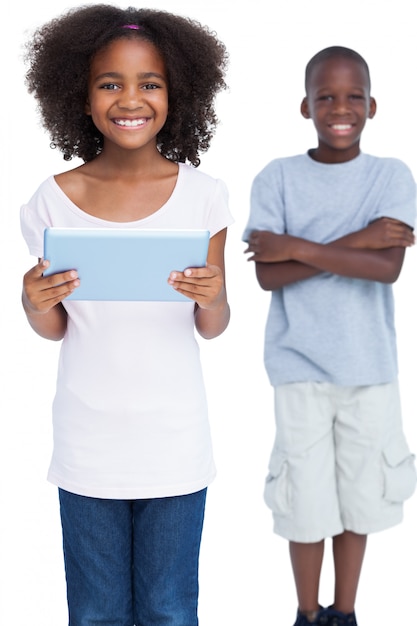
pixel 124 264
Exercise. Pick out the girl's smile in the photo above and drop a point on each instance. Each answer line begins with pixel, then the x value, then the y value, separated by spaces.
pixel 131 123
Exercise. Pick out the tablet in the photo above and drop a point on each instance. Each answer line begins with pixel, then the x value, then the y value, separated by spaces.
pixel 124 264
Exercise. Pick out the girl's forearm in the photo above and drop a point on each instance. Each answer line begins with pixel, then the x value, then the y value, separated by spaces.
pixel 210 323
pixel 51 325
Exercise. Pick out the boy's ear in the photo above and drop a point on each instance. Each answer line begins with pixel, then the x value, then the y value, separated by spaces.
pixel 372 108
pixel 304 109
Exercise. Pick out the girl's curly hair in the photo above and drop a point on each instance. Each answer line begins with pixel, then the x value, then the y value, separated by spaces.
pixel 59 57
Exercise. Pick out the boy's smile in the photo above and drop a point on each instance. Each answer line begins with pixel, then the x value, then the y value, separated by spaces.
pixel 339 103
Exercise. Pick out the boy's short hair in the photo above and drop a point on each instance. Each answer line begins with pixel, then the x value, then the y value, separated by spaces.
pixel 331 53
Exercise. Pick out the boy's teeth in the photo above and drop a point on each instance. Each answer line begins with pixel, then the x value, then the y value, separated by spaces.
pixel 130 122
pixel 341 126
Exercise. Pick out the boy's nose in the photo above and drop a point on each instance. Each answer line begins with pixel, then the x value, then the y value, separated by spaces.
pixel 340 104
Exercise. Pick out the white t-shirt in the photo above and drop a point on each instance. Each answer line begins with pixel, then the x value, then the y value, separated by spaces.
pixel 130 412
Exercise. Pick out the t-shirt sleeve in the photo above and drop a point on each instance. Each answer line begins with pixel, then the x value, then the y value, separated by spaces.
pixel 220 216
pixel 266 204
pixel 34 218
pixel 398 198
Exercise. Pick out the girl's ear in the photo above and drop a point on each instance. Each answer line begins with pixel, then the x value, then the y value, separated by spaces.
pixel 372 108
pixel 87 108
pixel 304 109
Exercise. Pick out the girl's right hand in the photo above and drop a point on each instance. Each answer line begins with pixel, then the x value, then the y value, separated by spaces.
pixel 41 293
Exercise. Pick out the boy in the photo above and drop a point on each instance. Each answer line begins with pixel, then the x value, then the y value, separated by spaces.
pixel 328 232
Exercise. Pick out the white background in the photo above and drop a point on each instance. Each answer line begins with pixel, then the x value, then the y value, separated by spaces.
pixel 245 572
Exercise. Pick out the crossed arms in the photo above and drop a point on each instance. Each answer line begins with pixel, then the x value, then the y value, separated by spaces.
pixel 374 253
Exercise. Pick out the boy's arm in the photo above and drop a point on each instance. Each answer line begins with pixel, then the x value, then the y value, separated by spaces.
pixel 373 253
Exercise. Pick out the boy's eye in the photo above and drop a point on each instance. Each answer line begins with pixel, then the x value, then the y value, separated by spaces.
pixel 326 98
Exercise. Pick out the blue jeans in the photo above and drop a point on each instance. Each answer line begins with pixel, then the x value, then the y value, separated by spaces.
pixel 132 562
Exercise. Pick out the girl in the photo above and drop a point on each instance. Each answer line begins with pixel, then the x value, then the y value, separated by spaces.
pixel 131 93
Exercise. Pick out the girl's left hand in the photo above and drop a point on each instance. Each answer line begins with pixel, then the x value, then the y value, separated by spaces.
pixel 204 285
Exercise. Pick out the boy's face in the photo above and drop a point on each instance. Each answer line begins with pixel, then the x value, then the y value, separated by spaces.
pixel 339 103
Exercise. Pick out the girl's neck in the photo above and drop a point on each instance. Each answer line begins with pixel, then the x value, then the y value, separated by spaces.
pixel 113 163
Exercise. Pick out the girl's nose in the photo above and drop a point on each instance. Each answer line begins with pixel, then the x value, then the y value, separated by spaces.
pixel 130 98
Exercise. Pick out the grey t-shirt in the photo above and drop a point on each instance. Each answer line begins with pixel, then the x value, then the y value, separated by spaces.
pixel 331 328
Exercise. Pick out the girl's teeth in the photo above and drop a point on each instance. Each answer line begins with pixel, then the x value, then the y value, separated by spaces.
pixel 130 122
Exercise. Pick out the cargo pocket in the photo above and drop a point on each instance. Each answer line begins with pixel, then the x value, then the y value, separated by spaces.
pixel 277 487
pixel 400 474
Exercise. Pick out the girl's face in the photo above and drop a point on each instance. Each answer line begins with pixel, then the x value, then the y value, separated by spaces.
pixel 128 94
pixel 339 103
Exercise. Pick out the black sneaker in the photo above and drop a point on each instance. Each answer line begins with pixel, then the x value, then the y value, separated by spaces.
pixel 332 617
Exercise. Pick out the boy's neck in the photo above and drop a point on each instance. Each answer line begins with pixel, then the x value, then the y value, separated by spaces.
pixel 323 155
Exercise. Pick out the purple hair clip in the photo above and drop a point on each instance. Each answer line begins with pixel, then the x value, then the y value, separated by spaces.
pixel 132 26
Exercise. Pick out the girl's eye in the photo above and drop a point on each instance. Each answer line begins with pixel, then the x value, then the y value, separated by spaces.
pixel 115 87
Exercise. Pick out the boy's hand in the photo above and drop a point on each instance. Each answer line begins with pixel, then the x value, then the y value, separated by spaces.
pixel 267 247
pixel 204 285
pixel 41 293
pixel 383 233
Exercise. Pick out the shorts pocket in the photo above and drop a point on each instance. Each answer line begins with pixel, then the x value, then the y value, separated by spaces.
pixel 277 487
pixel 400 475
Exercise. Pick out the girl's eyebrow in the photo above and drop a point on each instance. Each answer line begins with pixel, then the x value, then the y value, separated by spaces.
pixel 142 75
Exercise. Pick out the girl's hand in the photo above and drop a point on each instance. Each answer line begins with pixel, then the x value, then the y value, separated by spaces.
pixel 41 293
pixel 204 285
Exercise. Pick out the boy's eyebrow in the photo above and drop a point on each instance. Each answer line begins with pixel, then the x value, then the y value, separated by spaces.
pixel 361 88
